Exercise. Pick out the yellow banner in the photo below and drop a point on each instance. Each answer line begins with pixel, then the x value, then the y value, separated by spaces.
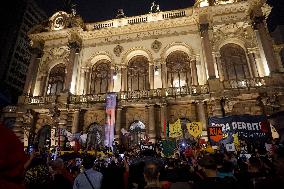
pixel 236 141
pixel 175 129
pixel 194 128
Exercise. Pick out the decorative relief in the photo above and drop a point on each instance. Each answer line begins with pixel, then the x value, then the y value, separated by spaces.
pixel 118 50
pixel 97 116
pixel 238 30
pixel 55 53
pixel 156 46
pixel 134 114
pixel 178 111
pixel 59 21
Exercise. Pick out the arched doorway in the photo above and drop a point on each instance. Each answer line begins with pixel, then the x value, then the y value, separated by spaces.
pixel 137 130
pixel 178 69
pixel 234 62
pixel 42 140
pixel 95 136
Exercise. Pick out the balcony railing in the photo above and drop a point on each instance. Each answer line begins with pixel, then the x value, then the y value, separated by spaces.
pixel 40 99
pixel 140 19
pixel 171 92
pixel 143 94
pixel 74 99
pixel 244 83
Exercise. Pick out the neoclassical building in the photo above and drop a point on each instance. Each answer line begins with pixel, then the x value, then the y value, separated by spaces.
pixel 212 59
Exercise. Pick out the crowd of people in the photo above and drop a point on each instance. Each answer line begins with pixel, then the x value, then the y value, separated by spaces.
pixel 127 168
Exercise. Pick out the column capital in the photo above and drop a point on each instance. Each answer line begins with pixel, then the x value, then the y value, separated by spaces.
pixel 203 28
pixel 216 54
pixel 74 45
pixel 257 20
pixel 85 69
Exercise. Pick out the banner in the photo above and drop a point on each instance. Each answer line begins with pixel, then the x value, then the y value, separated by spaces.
pixel 248 127
pixel 194 128
pixel 175 129
pixel 215 134
pixel 168 147
pixel 230 147
pixel 147 147
pixel 110 118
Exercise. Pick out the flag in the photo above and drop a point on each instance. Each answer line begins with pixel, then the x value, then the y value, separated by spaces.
pixel 175 129
pixel 110 119
pixel 194 128
pixel 236 141
pixel 274 133
pixel 215 133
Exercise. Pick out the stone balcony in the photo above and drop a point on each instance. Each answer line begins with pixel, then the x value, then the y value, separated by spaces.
pixel 140 19
pixel 253 85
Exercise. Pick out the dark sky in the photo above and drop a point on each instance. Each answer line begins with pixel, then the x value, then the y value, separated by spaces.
pixel 98 10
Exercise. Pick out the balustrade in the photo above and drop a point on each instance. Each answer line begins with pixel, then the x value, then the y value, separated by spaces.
pixel 40 99
pixel 142 19
pixel 244 83
pixel 171 92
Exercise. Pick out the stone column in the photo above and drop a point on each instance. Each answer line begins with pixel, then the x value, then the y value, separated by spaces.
pixel 42 85
pixel 163 110
pixel 252 63
pixel 110 82
pixel 87 81
pixel 18 126
pixel 118 123
pixel 164 75
pixel 151 121
pixel 206 45
pixel 266 43
pixel 194 72
pixel 124 79
pixel 201 115
pixel 216 108
pixel 151 76
pixel 32 70
pixel 75 122
pixel 62 125
pixel 74 49
pixel 278 56
pixel 82 81
pixel 219 65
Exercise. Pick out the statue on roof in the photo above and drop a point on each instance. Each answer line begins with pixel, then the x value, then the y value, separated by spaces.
pixel 155 7
pixel 120 14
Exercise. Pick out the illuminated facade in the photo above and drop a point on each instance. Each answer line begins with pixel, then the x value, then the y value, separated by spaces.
pixel 210 59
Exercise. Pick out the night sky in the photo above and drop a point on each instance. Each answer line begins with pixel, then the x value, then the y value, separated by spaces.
pixel 99 10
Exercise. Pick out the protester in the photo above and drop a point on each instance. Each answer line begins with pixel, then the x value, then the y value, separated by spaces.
pixel 151 175
pixel 12 160
pixel 89 178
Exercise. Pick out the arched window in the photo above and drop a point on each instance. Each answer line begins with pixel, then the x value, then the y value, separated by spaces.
pixel 138 73
pixel 178 69
pixel 234 62
pixel 56 79
pixel 101 77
